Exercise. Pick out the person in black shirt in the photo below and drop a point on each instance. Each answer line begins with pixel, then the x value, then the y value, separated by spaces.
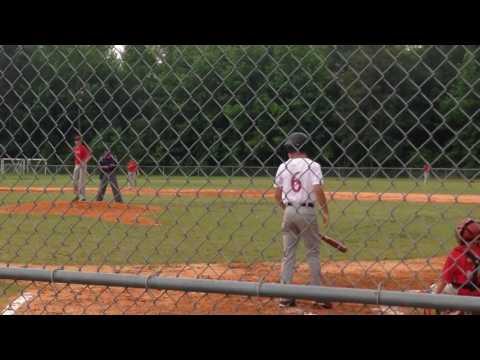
pixel 107 167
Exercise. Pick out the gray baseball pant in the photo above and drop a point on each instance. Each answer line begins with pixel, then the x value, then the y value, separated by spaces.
pixel 132 179
pixel 300 222
pixel 80 175
pixel 111 179
pixel 425 177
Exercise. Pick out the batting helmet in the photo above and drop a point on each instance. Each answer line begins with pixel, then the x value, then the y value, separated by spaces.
pixel 296 142
pixel 468 231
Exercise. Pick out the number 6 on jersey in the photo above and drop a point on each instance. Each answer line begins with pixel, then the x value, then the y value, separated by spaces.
pixel 295 183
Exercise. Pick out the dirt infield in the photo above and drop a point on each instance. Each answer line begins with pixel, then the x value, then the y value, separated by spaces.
pixel 77 299
pixel 111 212
pixel 340 196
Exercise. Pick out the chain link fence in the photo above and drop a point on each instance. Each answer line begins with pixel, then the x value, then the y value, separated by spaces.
pixel 196 135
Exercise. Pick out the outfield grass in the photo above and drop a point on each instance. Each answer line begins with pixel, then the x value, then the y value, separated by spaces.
pixel 199 230
pixel 450 186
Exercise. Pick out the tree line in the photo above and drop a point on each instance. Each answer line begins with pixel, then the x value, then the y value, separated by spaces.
pixel 382 106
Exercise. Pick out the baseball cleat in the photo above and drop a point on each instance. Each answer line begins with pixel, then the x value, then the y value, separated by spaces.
pixel 284 303
pixel 75 199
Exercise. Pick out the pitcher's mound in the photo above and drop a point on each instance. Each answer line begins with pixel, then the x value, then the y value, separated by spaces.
pixel 112 212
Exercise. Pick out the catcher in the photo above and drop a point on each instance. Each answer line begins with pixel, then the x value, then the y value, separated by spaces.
pixel 460 275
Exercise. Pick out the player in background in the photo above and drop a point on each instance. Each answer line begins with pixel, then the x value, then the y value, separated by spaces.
pixel 82 154
pixel 132 171
pixel 427 169
pixel 108 166
pixel 299 188
pixel 460 274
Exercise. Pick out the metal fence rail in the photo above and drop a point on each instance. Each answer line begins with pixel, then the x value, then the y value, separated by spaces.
pixel 244 288
pixel 197 135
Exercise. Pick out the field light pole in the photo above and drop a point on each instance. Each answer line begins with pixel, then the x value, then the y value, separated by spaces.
pixel 317 293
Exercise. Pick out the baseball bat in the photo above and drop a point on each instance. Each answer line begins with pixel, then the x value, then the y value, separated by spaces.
pixel 334 243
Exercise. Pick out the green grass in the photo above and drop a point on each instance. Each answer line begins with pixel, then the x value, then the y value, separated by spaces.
pixel 450 186
pixel 211 230
pixel 8 291
pixel 223 230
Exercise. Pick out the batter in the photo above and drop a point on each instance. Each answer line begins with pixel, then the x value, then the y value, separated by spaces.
pixel 299 189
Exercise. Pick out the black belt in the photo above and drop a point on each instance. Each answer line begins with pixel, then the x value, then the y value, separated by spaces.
pixel 311 205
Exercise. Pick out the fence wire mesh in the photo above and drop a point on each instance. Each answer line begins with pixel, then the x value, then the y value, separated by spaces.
pixel 196 135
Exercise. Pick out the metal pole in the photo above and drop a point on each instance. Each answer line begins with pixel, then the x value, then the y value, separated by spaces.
pixel 319 293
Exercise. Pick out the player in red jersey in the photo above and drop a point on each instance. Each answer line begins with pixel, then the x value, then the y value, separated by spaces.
pixel 460 274
pixel 427 169
pixel 82 154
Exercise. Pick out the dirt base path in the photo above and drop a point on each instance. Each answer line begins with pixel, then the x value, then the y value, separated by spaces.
pixel 341 196
pixel 76 299
pixel 110 212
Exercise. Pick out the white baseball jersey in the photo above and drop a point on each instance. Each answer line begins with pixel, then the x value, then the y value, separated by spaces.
pixel 297 177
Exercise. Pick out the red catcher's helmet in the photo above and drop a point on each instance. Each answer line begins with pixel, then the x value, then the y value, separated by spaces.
pixel 468 231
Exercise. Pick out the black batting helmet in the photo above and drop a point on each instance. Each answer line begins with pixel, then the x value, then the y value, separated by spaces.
pixel 296 142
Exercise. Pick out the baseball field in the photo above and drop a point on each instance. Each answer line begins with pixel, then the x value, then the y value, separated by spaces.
pixel 221 228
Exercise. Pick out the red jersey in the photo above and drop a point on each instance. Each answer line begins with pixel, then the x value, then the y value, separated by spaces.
pixel 427 168
pixel 459 269
pixel 81 153
pixel 132 166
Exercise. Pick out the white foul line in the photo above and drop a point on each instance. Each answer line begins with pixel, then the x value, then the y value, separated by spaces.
pixel 13 307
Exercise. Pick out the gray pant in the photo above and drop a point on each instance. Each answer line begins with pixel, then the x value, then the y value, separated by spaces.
pixel 111 179
pixel 132 179
pixel 300 222
pixel 80 175
pixel 425 177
